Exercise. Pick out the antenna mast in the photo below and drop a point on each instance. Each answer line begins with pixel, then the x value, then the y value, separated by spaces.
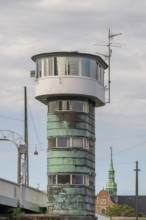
pixel 110 37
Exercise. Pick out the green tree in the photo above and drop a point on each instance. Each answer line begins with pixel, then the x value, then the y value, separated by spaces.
pixel 15 211
pixel 121 210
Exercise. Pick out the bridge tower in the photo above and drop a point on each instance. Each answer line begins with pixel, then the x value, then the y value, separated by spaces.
pixel 71 84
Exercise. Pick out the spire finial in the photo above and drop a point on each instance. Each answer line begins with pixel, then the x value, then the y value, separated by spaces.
pixel 111 152
pixel 111 185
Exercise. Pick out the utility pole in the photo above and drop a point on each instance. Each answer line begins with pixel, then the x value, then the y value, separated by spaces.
pixel 136 190
pixel 26 137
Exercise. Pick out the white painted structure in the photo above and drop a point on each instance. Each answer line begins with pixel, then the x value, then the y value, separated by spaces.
pixel 69 73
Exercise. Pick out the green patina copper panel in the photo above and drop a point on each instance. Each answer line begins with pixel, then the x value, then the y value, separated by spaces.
pixel 67 125
pixel 68 169
pixel 67 161
pixel 67 117
pixel 68 132
pixel 70 161
pixel 73 200
pixel 70 124
pixel 76 153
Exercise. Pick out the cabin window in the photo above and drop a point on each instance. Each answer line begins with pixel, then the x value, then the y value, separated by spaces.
pixel 63 179
pixel 63 142
pixel 71 179
pixel 68 105
pixel 71 66
pixel 68 142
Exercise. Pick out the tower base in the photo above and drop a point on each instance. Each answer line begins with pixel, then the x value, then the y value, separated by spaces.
pixel 79 218
pixel 48 217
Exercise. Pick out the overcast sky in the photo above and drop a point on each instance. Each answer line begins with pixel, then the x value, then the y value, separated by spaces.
pixel 29 27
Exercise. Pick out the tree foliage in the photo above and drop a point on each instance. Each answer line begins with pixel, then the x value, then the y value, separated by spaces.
pixel 121 210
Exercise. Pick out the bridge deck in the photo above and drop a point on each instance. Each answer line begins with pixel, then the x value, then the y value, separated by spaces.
pixel 14 195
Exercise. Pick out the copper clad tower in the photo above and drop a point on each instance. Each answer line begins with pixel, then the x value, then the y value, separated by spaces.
pixel 71 85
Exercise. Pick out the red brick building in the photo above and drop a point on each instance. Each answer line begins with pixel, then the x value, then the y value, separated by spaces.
pixel 103 201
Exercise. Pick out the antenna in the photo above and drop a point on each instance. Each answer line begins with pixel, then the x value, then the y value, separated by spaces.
pixel 110 37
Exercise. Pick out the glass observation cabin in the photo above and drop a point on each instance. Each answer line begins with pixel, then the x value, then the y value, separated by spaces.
pixel 77 73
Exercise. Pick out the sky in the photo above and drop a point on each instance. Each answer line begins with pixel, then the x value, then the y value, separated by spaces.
pixel 30 27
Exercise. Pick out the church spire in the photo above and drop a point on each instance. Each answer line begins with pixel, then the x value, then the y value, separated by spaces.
pixel 111 185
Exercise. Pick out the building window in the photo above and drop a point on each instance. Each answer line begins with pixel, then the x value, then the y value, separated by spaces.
pixel 63 179
pixel 39 68
pixel 74 66
pixel 51 142
pixel 77 106
pixel 52 106
pixel 85 64
pixel 63 142
pixel 103 201
pixel 71 179
pixel 77 142
pixel 48 67
pixel 78 179
pixel 66 105
pixel 52 179
pixel 68 142
pixel 63 105
pixel 100 77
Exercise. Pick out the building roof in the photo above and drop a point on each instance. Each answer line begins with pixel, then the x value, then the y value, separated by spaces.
pixel 131 201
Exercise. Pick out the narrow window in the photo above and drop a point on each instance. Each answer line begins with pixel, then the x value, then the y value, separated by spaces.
pixel 48 71
pixel 102 76
pixel 77 179
pixel 52 106
pixel 85 107
pixel 55 66
pixel 63 179
pixel 52 179
pixel 59 105
pixel 85 67
pixel 93 69
pixel 51 142
pixel 86 180
pixel 39 68
pixel 68 105
pixel 77 142
pixel 97 71
pixel 86 143
pixel 77 106
pixel 73 66
pixel 63 142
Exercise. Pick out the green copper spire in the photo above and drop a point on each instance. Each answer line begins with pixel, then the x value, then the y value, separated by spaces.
pixel 111 185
